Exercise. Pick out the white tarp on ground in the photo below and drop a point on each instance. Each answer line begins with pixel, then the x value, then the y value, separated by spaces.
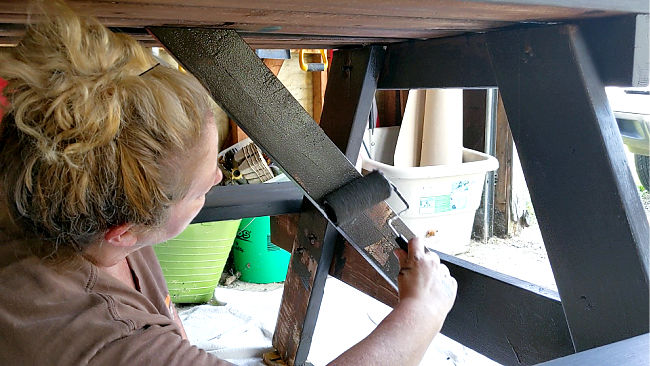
pixel 241 329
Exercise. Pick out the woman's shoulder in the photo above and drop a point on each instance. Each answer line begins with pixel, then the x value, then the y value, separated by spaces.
pixel 53 314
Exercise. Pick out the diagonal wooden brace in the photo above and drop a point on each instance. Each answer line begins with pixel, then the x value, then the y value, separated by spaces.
pixel 266 111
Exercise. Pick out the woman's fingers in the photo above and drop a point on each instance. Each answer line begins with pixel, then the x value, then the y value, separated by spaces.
pixel 416 249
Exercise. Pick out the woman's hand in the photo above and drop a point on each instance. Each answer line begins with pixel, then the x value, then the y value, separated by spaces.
pixel 426 292
pixel 424 281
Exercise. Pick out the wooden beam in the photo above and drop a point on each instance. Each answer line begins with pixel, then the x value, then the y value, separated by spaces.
pixel 284 229
pixel 631 6
pixel 250 200
pixel 474 119
pixel 350 267
pixel 304 285
pixel 619 46
pixel 334 23
pixel 319 84
pixel 273 64
pixel 508 320
pixel 350 91
pixel 504 223
pixel 594 227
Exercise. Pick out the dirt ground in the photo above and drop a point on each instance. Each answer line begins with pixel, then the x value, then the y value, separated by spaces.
pixel 522 256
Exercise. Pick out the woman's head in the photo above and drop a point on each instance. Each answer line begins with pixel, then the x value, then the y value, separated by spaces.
pixel 88 143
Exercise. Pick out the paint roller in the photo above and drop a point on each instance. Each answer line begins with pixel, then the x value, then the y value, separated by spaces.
pixel 349 201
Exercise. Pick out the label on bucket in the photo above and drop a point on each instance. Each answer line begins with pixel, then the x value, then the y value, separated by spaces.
pixel 455 200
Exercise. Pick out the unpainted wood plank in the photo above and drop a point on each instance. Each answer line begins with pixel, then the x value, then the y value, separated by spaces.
pixel 450 9
pixel 594 227
pixel 304 285
pixel 504 223
pixel 181 14
pixel 382 19
pixel 284 229
pixel 350 267
pixel 326 36
pixel 319 83
pixel 273 64
pixel 631 6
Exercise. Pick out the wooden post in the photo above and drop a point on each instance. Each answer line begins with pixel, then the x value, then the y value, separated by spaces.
pixel 590 215
pixel 504 225
pixel 349 93
pixel 319 84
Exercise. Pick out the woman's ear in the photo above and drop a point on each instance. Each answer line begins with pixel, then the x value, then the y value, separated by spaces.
pixel 121 236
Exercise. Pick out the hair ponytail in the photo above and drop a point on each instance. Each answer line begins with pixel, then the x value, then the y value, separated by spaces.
pixel 88 143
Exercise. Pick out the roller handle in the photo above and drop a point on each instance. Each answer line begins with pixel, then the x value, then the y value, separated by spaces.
pixel 402 242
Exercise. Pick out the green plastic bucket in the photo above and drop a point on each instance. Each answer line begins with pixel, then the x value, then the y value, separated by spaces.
pixel 193 261
pixel 255 257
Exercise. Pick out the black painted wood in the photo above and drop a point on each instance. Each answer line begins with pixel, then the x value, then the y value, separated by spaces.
pixel 506 319
pixel 459 61
pixel 250 200
pixel 630 352
pixel 351 86
pixel 594 227
pixel 627 36
pixel 266 111
pixel 619 46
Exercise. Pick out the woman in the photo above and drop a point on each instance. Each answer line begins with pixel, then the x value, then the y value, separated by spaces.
pixel 105 153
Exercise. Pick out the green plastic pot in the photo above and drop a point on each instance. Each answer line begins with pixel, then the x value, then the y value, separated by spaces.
pixel 193 261
pixel 255 257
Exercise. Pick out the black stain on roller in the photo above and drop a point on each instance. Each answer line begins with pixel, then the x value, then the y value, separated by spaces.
pixel 347 202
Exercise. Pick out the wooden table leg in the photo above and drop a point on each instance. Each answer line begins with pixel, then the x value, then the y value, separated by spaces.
pixel 350 90
pixel 594 227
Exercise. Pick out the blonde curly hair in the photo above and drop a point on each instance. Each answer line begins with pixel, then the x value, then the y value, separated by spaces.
pixel 87 142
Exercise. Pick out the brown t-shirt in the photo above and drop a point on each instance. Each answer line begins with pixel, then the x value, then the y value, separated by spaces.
pixel 79 315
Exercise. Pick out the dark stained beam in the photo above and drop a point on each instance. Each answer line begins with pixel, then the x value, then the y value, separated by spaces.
pixel 619 47
pixel 250 200
pixel 590 215
pixel 506 319
pixel 459 61
pixel 266 111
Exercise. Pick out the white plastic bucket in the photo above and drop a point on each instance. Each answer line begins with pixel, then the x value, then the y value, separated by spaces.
pixel 443 199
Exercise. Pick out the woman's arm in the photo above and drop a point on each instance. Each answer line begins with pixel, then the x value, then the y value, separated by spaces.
pixel 426 292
